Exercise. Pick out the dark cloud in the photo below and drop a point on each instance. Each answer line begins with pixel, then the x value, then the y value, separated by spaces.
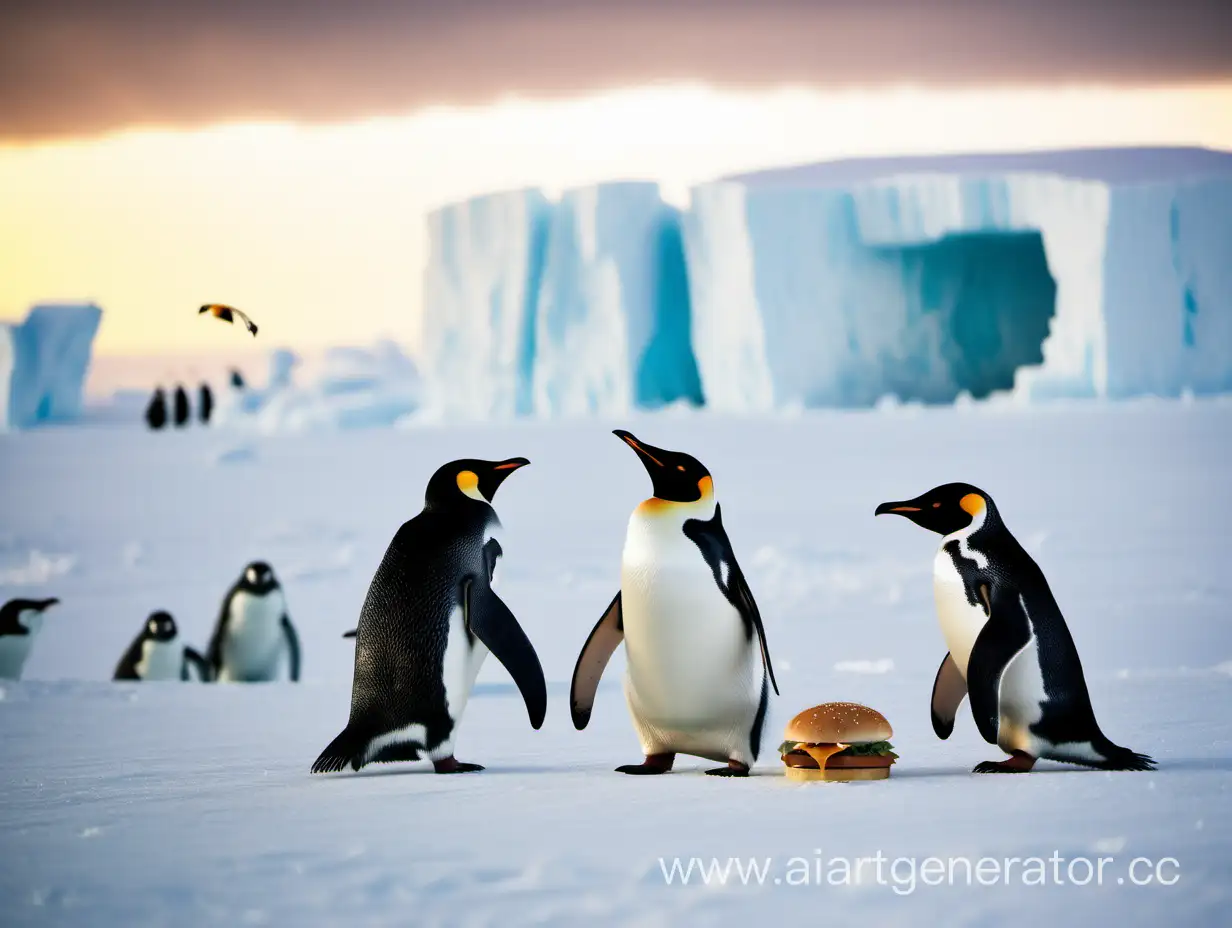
pixel 92 65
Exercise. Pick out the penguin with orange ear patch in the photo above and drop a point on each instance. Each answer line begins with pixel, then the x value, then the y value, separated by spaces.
pixel 228 314
pixel 698 669
pixel 430 618
pixel 1010 649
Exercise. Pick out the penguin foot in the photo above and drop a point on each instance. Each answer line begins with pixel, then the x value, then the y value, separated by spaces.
pixel 452 765
pixel 1018 762
pixel 654 763
pixel 733 769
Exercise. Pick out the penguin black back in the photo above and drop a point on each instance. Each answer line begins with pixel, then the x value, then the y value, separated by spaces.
pixel 156 410
pixel 181 406
pixel 205 403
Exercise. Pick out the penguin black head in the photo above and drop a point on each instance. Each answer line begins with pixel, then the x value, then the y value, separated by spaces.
pixel 945 509
pixel 160 626
pixel 259 578
pixel 469 478
pixel 15 607
pixel 677 477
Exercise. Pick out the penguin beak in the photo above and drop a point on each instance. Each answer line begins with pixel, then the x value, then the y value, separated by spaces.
pixel 645 452
pixel 895 508
pixel 511 465
pixel 496 476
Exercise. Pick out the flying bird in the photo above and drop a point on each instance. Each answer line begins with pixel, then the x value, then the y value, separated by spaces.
pixel 227 314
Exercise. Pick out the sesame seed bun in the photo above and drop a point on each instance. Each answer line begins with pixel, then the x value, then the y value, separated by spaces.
pixel 839 723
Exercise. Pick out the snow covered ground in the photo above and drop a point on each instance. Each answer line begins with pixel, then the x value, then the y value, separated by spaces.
pixel 188 804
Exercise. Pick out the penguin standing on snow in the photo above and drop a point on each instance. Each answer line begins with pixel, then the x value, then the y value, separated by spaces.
pixel 181 411
pixel 429 620
pixel 698 670
pixel 1010 649
pixel 156 411
pixel 157 653
pixel 254 636
pixel 20 622
pixel 205 403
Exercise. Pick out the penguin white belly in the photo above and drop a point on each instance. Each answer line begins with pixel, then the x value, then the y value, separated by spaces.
pixel 691 677
pixel 1020 698
pixel 253 647
pixel 14 649
pixel 160 660
pixel 460 667
pixel 960 621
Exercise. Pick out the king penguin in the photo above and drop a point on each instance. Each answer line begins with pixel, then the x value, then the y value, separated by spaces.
pixel 157 653
pixel 1010 649
pixel 254 636
pixel 698 668
pixel 429 620
pixel 20 622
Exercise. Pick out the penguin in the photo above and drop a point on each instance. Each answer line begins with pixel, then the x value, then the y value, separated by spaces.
pixel 20 622
pixel 698 668
pixel 1010 650
pixel 205 403
pixel 254 636
pixel 237 379
pixel 156 411
pixel 428 621
pixel 181 407
pixel 157 653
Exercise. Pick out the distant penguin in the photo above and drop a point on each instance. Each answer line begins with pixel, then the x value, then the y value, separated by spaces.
pixel 237 379
pixel 228 314
pixel 698 669
pixel 156 411
pixel 20 622
pixel 428 622
pixel 157 653
pixel 254 639
pixel 1010 649
pixel 205 403
pixel 181 407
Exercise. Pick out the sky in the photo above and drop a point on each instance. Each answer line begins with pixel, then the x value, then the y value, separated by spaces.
pixel 282 155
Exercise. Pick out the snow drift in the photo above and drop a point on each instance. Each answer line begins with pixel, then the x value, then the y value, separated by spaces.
pixel 1094 273
pixel 43 363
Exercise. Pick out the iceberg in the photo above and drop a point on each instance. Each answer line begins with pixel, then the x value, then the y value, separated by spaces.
pixel 612 321
pixel 1097 273
pixel 44 362
pixel 485 262
pixel 1034 276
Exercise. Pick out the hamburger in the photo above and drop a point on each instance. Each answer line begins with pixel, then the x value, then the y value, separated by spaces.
pixel 838 741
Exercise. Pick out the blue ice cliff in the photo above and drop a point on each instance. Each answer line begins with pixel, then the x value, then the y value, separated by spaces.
pixel 1096 273
pixel 43 364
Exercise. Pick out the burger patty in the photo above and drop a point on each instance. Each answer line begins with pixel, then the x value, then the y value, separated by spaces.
pixel 800 759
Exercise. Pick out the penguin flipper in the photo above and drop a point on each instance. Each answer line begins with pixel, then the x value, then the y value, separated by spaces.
pixel 126 669
pixel 353 633
pixel 949 689
pixel 193 658
pixel 213 653
pixel 711 539
pixel 288 632
pixel 603 641
pixel 489 619
pixel 1004 635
